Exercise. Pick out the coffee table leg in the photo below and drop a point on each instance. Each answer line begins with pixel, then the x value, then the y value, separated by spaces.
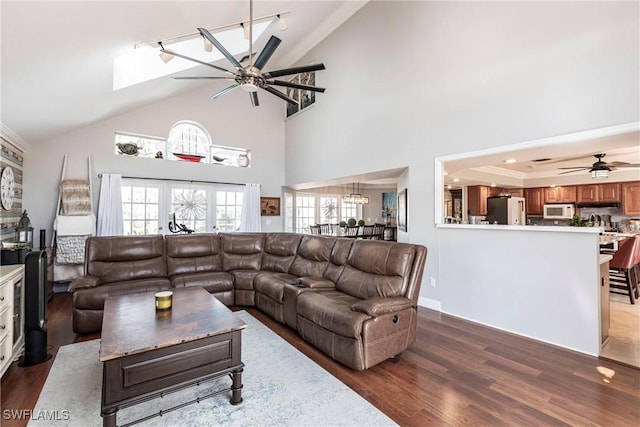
pixel 236 387
pixel 109 418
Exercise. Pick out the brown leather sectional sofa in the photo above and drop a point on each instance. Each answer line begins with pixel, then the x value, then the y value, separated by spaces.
pixel 356 300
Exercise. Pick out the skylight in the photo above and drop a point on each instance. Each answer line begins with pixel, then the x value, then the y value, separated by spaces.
pixel 144 64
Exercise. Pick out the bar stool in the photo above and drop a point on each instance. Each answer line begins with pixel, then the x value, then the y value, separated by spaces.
pixel 623 274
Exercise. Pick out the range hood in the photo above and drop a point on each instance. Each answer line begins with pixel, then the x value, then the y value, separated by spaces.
pixel 598 204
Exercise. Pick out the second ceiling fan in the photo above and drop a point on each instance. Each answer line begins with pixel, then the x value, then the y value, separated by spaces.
pixel 251 78
pixel 600 166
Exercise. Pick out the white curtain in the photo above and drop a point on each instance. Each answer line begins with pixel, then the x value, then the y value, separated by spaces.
pixel 250 220
pixel 110 222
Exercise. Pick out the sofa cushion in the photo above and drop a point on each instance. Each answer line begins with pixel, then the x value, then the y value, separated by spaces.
pixel 279 251
pixel 93 298
pixel 125 258
pixel 313 256
pixel 242 251
pixel 338 259
pixel 243 279
pixel 377 268
pixel 213 282
pixel 272 284
pixel 193 253
pixel 332 311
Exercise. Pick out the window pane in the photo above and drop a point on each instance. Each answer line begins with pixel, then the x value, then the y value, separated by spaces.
pixel 137 211
pixel 137 227
pixel 152 212
pixel 152 227
pixel 126 211
pixel 126 194
pixel 138 194
pixel 152 195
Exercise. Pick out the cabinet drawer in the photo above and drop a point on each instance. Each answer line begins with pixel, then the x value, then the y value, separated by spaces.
pixel 6 322
pixel 6 295
pixel 6 353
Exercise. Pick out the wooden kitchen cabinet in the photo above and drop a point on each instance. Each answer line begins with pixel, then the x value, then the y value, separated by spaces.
pixel 630 198
pixel 534 201
pixel 477 199
pixel 566 194
pixel 599 193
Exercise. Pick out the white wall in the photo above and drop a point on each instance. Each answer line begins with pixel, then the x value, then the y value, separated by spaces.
pixel 231 121
pixel 541 282
pixel 408 82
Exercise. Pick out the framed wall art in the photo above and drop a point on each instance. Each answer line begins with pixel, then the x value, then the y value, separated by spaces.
pixel 305 98
pixel 270 206
pixel 402 210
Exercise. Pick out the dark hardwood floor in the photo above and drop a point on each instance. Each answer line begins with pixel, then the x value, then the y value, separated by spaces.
pixel 458 373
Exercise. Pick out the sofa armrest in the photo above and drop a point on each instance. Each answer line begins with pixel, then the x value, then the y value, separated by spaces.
pixel 314 282
pixel 377 306
pixel 84 282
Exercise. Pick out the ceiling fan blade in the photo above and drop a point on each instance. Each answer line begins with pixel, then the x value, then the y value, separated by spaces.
pixel 254 99
pixel 202 77
pixel 623 165
pixel 575 170
pixel 179 55
pixel 225 91
pixel 295 85
pixel 267 52
pixel 578 167
pixel 281 95
pixel 293 70
pixel 219 46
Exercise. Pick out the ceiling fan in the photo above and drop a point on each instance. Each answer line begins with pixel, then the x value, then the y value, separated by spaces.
pixel 600 169
pixel 250 77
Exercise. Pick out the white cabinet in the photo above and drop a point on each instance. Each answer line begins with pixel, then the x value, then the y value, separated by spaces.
pixel 11 313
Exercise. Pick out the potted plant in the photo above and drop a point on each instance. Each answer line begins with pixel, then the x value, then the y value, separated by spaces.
pixel 360 222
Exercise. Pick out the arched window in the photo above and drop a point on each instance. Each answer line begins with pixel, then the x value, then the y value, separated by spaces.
pixel 188 141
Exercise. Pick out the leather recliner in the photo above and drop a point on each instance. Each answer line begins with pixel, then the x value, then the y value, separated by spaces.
pixel 356 300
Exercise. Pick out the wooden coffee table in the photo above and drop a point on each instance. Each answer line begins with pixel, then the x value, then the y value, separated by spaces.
pixel 146 353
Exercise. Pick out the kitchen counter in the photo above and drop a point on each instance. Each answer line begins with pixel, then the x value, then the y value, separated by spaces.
pixel 534 228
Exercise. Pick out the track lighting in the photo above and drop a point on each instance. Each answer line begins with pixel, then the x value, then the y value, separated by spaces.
pixel 208 46
pixel 165 55
pixel 245 29
pixel 282 23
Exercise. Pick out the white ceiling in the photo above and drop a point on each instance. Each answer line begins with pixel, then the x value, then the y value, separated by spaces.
pixel 57 57
pixel 57 74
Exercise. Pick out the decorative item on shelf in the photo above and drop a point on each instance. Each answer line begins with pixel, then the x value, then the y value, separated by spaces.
pixel 128 149
pixel 164 300
pixel 177 228
pixel 269 206
pixel 243 160
pixel 24 230
pixel 159 155
pixel 189 157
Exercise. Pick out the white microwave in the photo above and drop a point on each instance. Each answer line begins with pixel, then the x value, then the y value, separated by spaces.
pixel 559 211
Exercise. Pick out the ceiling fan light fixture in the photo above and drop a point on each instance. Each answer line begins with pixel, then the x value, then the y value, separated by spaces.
pixel 600 173
pixel 249 87
pixel 282 23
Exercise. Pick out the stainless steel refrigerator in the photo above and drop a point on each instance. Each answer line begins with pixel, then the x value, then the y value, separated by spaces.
pixel 506 210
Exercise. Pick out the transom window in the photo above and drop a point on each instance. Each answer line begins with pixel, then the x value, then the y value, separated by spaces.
pixel 187 141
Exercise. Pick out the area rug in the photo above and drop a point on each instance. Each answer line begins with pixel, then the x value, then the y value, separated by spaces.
pixel 282 387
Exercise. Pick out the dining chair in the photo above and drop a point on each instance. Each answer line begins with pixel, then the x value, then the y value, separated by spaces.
pixel 378 231
pixel 351 231
pixel 314 229
pixel 325 229
pixel 368 231
pixel 623 274
pixel 335 228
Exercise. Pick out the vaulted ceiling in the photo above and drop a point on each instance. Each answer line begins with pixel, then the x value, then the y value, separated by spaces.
pixel 57 57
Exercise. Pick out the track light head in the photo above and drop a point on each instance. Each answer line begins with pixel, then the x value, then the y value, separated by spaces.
pixel 282 23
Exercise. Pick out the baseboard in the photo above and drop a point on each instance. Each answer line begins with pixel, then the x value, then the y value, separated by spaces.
pixel 429 303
